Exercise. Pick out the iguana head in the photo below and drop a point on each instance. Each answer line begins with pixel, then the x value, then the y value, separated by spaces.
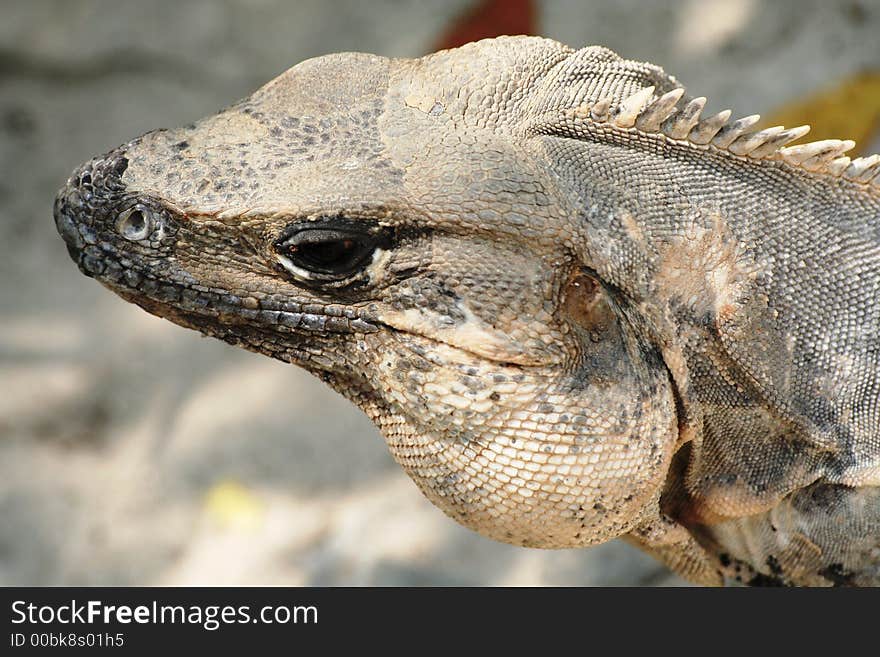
pixel 385 225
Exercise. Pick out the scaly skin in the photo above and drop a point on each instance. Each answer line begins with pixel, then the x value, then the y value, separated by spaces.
pixel 571 321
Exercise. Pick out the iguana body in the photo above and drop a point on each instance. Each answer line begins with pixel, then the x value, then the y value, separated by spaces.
pixel 575 309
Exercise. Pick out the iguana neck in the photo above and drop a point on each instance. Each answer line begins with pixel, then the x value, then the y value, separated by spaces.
pixel 521 454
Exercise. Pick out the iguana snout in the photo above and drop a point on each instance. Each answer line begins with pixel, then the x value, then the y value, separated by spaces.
pixel 93 186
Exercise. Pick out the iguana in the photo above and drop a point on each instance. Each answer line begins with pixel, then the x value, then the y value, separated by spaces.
pixel 576 308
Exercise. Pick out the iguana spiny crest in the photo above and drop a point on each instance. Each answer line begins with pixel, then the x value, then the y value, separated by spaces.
pixel 663 115
pixel 575 309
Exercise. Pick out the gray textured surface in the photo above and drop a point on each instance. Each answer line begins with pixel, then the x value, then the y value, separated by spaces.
pixel 133 452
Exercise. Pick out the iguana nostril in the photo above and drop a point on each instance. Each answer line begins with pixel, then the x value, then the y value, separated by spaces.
pixel 67 228
pixel 135 224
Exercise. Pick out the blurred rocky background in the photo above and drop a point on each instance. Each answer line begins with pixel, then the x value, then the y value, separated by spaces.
pixel 135 452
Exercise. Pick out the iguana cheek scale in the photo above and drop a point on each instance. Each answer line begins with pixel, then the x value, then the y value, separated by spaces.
pixel 576 307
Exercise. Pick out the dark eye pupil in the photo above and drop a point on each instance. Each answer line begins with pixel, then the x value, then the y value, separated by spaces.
pixel 136 221
pixel 326 254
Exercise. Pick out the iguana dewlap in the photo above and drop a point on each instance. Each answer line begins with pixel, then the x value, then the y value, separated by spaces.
pixel 576 308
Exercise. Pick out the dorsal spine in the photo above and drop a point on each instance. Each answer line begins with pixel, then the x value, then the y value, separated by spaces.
pixel 667 116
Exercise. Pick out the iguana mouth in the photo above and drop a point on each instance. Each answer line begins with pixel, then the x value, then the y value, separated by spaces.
pixel 205 317
pixel 228 310
pixel 224 318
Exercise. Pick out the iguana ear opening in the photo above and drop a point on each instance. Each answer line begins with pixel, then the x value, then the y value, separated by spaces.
pixel 584 304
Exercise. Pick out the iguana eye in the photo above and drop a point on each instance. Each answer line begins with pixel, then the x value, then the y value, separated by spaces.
pixel 326 253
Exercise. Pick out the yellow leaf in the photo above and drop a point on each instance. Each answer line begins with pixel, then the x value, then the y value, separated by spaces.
pixel 232 505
